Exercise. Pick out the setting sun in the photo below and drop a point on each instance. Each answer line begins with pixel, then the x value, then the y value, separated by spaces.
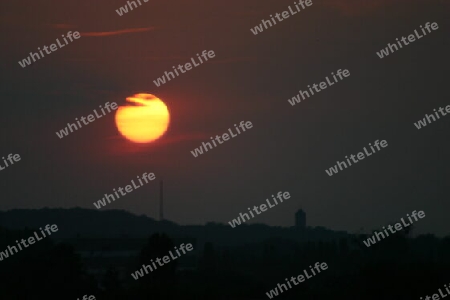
pixel 144 121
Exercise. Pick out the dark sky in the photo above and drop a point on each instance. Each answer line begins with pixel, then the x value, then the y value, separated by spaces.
pixel 250 79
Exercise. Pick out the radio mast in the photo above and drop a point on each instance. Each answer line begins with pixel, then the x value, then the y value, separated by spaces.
pixel 161 199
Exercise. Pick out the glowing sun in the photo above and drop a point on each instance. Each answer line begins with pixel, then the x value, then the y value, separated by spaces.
pixel 145 121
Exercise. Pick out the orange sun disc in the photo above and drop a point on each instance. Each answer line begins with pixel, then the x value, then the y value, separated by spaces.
pixel 145 121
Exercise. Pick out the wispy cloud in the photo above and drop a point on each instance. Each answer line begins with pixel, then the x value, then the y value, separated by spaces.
pixel 117 32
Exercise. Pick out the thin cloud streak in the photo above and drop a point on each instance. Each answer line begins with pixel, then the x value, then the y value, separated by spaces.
pixel 117 32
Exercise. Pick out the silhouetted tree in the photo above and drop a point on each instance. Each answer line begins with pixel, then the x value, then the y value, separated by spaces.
pixel 48 271
pixel 112 284
pixel 158 283
pixel 209 259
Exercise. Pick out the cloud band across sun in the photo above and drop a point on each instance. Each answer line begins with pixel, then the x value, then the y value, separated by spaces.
pixel 145 120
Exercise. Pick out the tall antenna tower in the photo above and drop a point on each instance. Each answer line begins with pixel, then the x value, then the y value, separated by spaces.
pixel 161 197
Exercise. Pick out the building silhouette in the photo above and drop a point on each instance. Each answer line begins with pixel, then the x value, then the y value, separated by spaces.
pixel 300 219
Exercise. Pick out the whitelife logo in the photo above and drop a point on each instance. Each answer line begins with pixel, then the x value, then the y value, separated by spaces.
pixel 300 278
pixel 108 197
pixel 188 66
pixel 90 118
pixel 124 9
pixel 360 156
pixel 85 297
pixel 285 14
pixel 10 157
pixel 31 240
pixel 166 259
pixel 319 87
pixel 262 207
pixel 398 227
pixel 225 137
pixel 391 48
pixel 422 123
pixel 27 61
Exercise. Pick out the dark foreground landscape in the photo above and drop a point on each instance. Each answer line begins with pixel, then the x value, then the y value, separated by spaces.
pixel 96 253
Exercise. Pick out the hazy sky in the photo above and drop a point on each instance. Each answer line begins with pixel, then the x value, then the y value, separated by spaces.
pixel 250 79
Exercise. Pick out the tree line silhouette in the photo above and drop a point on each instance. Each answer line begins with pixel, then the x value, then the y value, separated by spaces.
pixel 399 267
